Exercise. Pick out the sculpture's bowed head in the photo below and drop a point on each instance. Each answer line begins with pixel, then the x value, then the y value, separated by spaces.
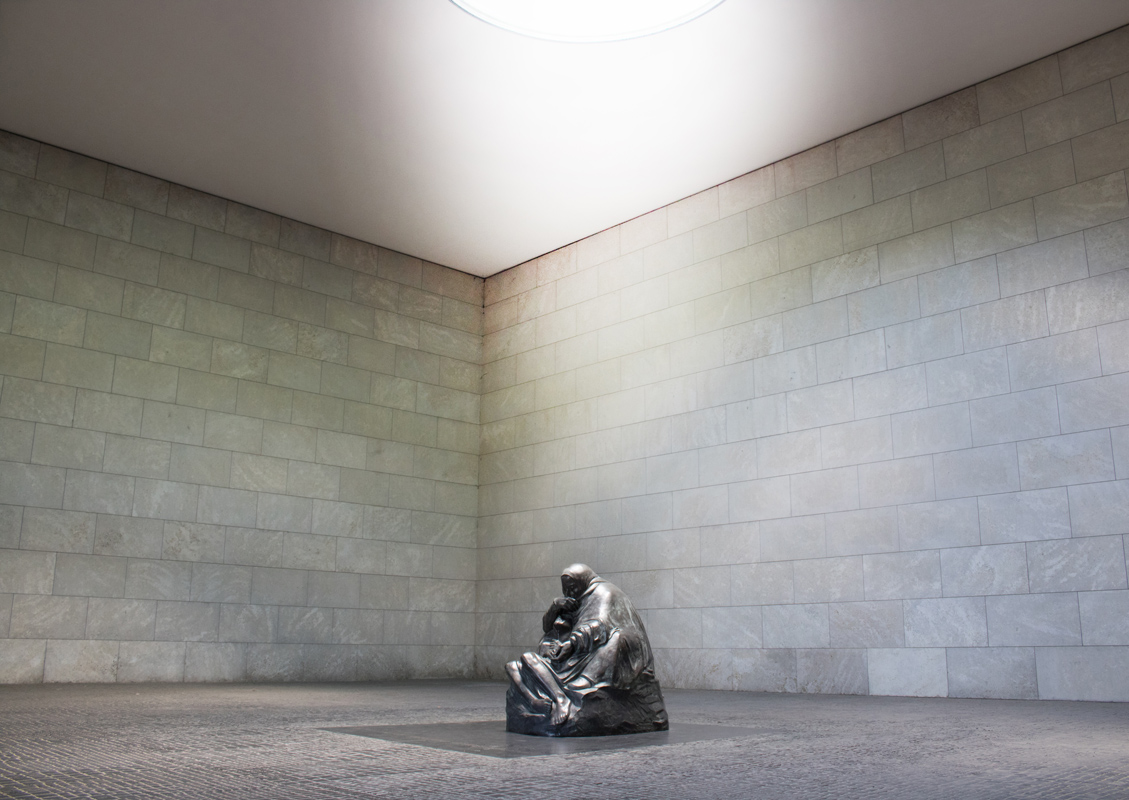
pixel 576 579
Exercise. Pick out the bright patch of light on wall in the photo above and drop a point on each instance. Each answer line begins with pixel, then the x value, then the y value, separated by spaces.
pixel 587 20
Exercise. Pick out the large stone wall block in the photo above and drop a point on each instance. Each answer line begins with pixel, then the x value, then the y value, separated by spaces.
pixel 1094 301
pixel 1024 516
pixel 186 622
pixel 869 144
pixel 1031 174
pixel 185 541
pixel 1106 245
pixel 1011 417
pixel 1099 509
pixel 214 663
pixel 16 439
pixel 80 662
pixel 979 470
pixel 147 662
pixel 1105 617
pixel 305 625
pixel 874 224
pixel 98 492
pixel 1113 341
pixel 825 580
pixel 1062 460
pixel 857 442
pixel 1084 205
pixel 735 543
pixel 793 538
pixel 1041 265
pixel 141 458
pixel 926 339
pixel 47 617
pixel 1094 403
pixel 1068 116
pixel 967 377
pixel 903 480
pixel 816 406
pixel 867 624
pixel 732 627
pixel 158 580
pixel 673 548
pixel 1038 620
pixel 826 491
pixel 248 623
pixel 987 144
pixel 891 391
pixel 1006 673
pixel 31 485
pixel 1082 673
pixel 841 275
pixel 989 570
pixel 122 620
pixel 913 672
pixel 761 584
pixel 897 576
pixel 1056 359
pixel 1120 88
pixel 883 305
pixel 956 287
pixel 869 530
pixel 1077 565
pixel 37 402
pixel 89 576
pixel 11 521
pixel 949 200
pixel 940 118
pixel 60 531
pixel 21 660
pixel 1012 319
pixel 220 583
pixel 946 622
pixel 788 453
pixel 765 670
pixel 39 319
pixel 1094 60
pixel 832 671
pixel 278 586
pixel 942 524
pixel 1020 88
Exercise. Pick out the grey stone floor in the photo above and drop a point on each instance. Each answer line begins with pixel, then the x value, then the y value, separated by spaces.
pixel 267 741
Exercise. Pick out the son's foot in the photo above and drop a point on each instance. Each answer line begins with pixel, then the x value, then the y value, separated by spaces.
pixel 561 709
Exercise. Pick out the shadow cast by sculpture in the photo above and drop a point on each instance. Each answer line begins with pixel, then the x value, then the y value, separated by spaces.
pixel 593 673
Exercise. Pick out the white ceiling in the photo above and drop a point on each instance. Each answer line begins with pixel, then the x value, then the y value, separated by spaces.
pixel 411 124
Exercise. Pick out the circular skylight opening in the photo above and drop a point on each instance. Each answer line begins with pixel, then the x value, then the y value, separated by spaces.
pixel 587 20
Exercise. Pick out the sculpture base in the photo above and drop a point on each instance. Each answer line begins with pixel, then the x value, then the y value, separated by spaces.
pixel 597 712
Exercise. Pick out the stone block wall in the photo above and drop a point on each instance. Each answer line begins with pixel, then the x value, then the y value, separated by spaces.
pixel 232 446
pixel 857 422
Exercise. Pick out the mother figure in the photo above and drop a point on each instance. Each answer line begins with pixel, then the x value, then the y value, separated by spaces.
pixel 593 673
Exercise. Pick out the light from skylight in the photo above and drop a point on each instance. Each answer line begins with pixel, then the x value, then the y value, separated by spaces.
pixel 587 20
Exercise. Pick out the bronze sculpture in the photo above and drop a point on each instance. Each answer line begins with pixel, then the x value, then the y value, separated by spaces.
pixel 593 673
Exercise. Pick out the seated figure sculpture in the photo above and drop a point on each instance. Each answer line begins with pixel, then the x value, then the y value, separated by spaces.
pixel 593 673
